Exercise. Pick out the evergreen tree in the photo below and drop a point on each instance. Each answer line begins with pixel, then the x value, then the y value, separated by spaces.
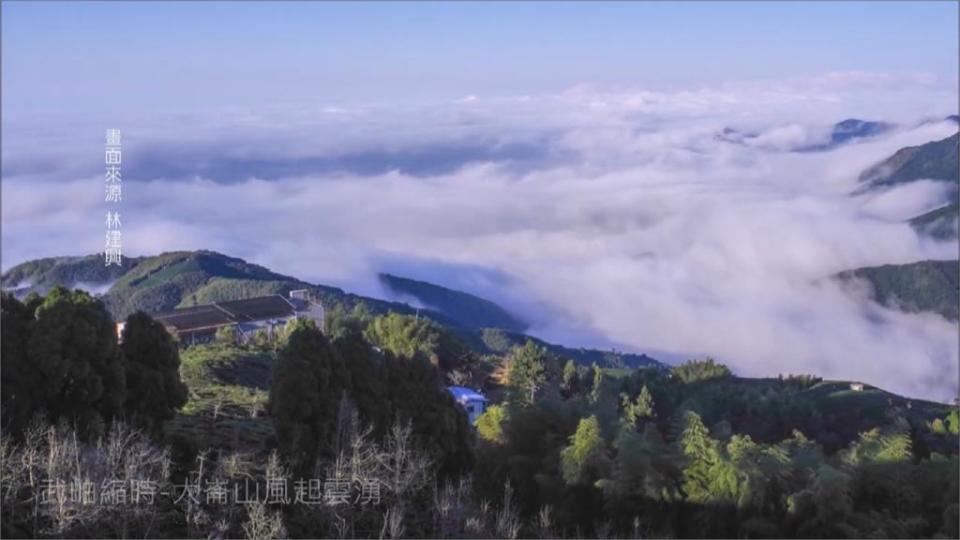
pixel 368 387
pixel 571 380
pixel 596 391
pixel 693 371
pixel 417 393
pixel 644 404
pixel 585 459
pixel 311 378
pixel 642 469
pixel 638 410
pixel 154 389
pixel 308 383
pixel 75 360
pixel 21 382
pixel 340 322
pixel 405 335
pixel 702 458
pixel 526 373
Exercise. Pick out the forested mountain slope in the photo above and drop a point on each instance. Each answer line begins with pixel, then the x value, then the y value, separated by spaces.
pixel 184 278
pixel 920 286
pixel 935 160
pixel 468 310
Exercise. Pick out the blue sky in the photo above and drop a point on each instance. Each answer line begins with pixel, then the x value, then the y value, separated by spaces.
pixel 333 141
pixel 186 55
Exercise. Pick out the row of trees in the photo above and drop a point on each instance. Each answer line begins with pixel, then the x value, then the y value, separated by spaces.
pixel 372 411
pixel 656 453
pixel 571 450
pixel 317 381
pixel 61 357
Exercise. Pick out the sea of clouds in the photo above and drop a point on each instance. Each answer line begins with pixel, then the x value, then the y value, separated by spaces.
pixel 606 217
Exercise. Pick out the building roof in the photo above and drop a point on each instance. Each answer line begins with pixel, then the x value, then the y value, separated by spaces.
pixel 462 393
pixel 257 309
pixel 226 313
pixel 298 303
pixel 194 318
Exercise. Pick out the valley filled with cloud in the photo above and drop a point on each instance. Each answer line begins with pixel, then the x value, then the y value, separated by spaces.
pixel 681 223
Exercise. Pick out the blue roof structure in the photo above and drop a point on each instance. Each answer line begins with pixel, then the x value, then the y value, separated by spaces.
pixel 462 393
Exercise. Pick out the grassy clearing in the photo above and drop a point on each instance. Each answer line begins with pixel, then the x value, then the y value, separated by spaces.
pixel 228 390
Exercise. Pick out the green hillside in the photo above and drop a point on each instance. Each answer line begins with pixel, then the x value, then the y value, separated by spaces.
pixel 499 341
pixel 228 391
pixel 174 279
pixel 185 278
pixel 41 274
pixel 768 409
pixel 802 424
pixel 688 452
pixel 920 286
pixel 168 280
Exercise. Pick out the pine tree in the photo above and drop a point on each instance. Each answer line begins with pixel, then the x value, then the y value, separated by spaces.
pixel 640 467
pixel 571 380
pixel 367 384
pixel 416 393
pixel 644 404
pixel 693 371
pixel 308 383
pixel 75 362
pixel 154 389
pixel 21 381
pixel 596 391
pixel 585 459
pixel 405 335
pixel 640 409
pixel 527 373
pixel 702 458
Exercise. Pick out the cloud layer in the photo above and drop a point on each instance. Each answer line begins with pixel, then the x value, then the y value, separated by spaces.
pixel 607 217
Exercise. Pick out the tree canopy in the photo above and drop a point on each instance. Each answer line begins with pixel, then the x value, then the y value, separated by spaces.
pixel 308 384
pixel 154 389
pixel 76 369
pixel 526 373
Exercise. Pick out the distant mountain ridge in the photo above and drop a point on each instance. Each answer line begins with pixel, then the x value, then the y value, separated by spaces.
pixel 185 278
pixel 921 286
pixel 173 279
pixel 940 223
pixel 850 130
pixel 937 160
pixel 41 274
pixel 930 286
pixel 466 309
pixel 843 132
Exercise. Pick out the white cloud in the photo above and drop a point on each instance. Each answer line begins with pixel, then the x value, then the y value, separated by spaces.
pixel 615 213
